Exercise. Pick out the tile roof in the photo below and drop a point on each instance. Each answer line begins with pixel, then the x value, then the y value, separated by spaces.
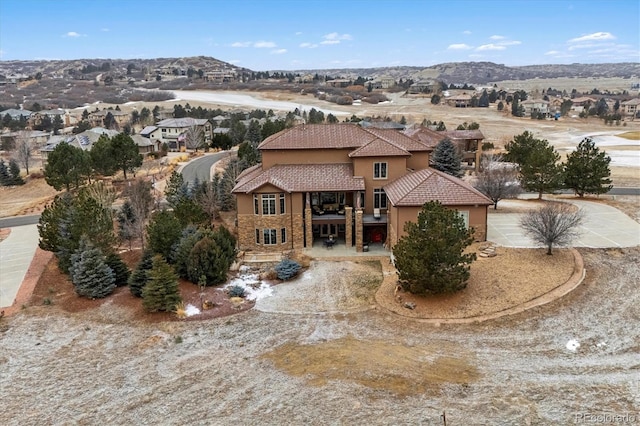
pixel 301 178
pixel 313 136
pixel 417 188
pixel 379 148
pixel 426 136
pixel 463 134
pixel 400 139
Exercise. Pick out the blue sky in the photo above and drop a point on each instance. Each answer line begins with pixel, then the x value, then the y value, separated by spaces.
pixel 293 35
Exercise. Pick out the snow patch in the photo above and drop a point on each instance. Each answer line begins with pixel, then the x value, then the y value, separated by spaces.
pixel 573 345
pixel 254 288
pixel 191 310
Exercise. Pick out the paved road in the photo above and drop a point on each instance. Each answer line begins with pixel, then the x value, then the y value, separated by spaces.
pixel 10 222
pixel 200 168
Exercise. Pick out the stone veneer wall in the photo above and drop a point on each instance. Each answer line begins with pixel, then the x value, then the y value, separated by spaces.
pixel 359 230
pixel 480 233
pixel 348 228
pixel 247 225
pixel 308 227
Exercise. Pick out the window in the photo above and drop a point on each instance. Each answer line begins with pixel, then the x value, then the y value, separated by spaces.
pixel 268 204
pixel 465 216
pixel 269 236
pixel 379 199
pixel 282 204
pixel 283 235
pixel 257 236
pixel 256 204
pixel 379 170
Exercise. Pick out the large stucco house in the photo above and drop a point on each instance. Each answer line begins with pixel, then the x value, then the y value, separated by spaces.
pixel 357 185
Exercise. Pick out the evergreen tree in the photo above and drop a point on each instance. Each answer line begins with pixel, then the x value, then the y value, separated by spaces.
pixel 90 274
pixel 125 153
pixel 208 259
pixel 101 154
pixel 430 257
pixel 140 275
pixel 541 172
pixel 587 170
pixel 254 134
pixel 120 271
pixel 5 177
pixel 127 223
pixel 163 231
pixel 447 159
pixel 67 166
pixel 14 173
pixel 181 252
pixel 161 292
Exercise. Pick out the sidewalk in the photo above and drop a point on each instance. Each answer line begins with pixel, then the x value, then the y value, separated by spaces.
pixel 16 254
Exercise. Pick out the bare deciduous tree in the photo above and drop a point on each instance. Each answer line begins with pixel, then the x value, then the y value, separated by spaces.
pixel 555 223
pixel 141 199
pixel 209 197
pixel 23 149
pixel 497 180
pixel 194 137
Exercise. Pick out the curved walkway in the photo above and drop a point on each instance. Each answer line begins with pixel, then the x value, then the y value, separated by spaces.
pixel 604 226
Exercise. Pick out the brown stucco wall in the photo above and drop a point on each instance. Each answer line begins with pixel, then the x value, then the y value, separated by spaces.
pixel 304 156
pixel 396 167
pixel 418 160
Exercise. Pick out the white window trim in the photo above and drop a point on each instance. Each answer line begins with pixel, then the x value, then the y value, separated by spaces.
pixel 379 199
pixel 465 216
pixel 271 232
pixel 386 170
pixel 271 202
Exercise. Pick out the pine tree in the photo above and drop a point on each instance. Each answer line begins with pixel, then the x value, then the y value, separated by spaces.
pixel 14 172
pixel 447 159
pixel 161 292
pixel 430 258
pixel 90 274
pixel 140 276
pixel 163 231
pixel 541 172
pixel 120 270
pixel 5 177
pixel 208 259
pixel 587 170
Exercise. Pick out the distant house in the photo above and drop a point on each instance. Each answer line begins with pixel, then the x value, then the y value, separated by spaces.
pixel 121 118
pixel 16 114
pixel 35 137
pixel 338 83
pixel 172 131
pixel 459 101
pixel 536 106
pixel 631 108
pixel 468 142
pixel 582 103
pixel 84 140
pixel 421 87
pixel 341 181
pixel 37 117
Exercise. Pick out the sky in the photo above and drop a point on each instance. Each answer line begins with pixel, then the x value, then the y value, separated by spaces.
pixel 269 35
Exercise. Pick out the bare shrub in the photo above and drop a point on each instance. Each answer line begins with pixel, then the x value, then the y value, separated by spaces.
pixel 555 223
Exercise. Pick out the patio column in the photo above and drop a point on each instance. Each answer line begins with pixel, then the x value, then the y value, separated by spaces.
pixel 359 230
pixel 308 227
pixel 348 226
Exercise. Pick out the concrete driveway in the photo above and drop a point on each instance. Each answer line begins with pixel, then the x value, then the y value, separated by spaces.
pixel 16 253
pixel 604 226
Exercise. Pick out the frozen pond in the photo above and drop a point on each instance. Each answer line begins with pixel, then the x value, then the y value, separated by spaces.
pixel 243 100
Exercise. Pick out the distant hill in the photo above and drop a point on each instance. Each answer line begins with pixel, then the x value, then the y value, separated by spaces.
pixel 454 72
pixel 487 72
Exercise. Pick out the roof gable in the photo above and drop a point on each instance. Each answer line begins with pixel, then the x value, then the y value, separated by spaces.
pixel 379 148
pixel 417 188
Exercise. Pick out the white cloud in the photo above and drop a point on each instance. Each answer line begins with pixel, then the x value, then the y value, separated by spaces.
pixel 490 46
pixel 599 36
pixel 264 44
pixel 72 34
pixel 234 61
pixel 590 45
pixel 104 30
pixel 466 32
pixel 278 51
pixel 241 44
pixel 552 53
pixel 459 46
pixel 335 38
pixel 509 43
pixel 298 33
pixel 497 37
pixel 308 45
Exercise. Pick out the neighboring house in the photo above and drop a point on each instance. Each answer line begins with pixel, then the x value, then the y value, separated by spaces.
pixel 37 117
pixel 84 140
pixel 579 104
pixel 145 145
pixel 323 180
pixel 421 87
pixel 630 108
pixel 459 101
pixel 36 137
pixel 172 131
pixel 16 114
pixel 121 118
pixel 468 142
pixel 339 82
pixel 536 106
